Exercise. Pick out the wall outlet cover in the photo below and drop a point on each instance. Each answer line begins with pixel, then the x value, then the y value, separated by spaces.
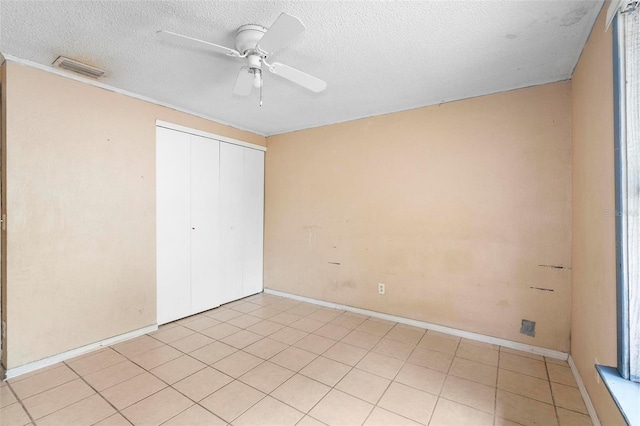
pixel 528 327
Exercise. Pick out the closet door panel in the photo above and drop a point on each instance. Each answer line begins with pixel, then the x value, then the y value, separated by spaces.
pixel 172 225
pixel 253 221
pixel 205 219
pixel 231 218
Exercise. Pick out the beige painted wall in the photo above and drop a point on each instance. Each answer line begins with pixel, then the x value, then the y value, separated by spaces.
pixel 81 212
pixel 454 207
pixel 593 328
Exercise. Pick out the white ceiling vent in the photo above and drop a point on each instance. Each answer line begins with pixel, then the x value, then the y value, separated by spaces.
pixel 77 67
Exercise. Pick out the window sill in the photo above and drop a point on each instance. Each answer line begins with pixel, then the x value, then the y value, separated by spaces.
pixel 625 393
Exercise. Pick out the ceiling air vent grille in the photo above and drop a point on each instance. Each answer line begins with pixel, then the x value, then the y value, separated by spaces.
pixel 77 67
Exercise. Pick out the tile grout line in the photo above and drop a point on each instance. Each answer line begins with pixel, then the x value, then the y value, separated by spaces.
pixel 19 401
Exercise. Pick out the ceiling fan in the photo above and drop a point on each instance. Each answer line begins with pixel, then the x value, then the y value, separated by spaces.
pixel 255 44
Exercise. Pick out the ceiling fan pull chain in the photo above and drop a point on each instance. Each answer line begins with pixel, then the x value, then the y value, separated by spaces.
pixel 262 84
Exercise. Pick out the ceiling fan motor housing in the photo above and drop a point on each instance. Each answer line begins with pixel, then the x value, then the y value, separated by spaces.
pixel 248 36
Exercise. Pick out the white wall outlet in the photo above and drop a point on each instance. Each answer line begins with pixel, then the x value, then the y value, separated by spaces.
pixel 380 288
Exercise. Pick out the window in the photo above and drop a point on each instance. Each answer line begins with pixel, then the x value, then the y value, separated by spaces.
pixel 623 381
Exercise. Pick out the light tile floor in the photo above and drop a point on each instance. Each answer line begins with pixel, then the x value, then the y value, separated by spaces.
pixel 266 360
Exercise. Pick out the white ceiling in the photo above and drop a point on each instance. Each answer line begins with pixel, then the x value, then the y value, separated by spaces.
pixel 376 56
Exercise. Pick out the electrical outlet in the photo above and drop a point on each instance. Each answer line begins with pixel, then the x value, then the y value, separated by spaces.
pixel 380 288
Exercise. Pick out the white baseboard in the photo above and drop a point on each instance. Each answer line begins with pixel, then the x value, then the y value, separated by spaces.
pixel 583 391
pixel 27 368
pixel 448 330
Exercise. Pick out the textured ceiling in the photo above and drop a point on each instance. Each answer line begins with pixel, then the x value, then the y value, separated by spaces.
pixel 376 56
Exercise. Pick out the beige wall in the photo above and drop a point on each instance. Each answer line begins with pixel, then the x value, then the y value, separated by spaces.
pixel 80 177
pixel 593 328
pixel 454 207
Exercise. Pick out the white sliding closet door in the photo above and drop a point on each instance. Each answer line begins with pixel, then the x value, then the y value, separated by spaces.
pixel 205 219
pixel 253 221
pixel 231 221
pixel 172 225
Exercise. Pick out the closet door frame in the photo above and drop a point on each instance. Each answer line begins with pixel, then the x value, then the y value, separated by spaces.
pixel 194 132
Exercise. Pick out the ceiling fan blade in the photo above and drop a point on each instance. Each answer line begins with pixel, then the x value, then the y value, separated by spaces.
pixel 283 30
pixel 168 35
pixel 244 82
pixel 303 79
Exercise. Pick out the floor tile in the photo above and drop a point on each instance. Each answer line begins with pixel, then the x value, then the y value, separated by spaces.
pixel 304 309
pixel 524 385
pixel 285 318
pixel 177 369
pixel 408 402
pixel 422 378
pixel 363 385
pixel 244 321
pixel 137 346
pixel 521 353
pixel 439 343
pixel 223 314
pixel 236 364
pixel 431 359
pixel 285 304
pixel 301 392
pixel 523 410
pixel 111 376
pixel 393 349
pixel 232 400
pixel 568 397
pixel 114 420
pixel 314 343
pixel 133 390
pixel 265 313
pixel 191 343
pixel 469 393
pixel 195 416
pixel 340 409
pixel 288 335
pixel 156 357
pixel 241 339
pixel 382 417
pixel 307 324
pixel 201 323
pixel 523 365
pixel 93 363
pixel 43 381
pixel 202 384
pixel 220 331
pixel 499 421
pixel 246 307
pixel 14 415
pixel 325 314
pixel 474 371
pixel 449 413
pixel 266 348
pixel 478 343
pixel 157 408
pixel 172 334
pixel 265 328
pixel 561 374
pixel 332 331
pixel 344 353
pixel 6 396
pixel 293 358
pixel 361 339
pixel 54 399
pixel 213 352
pixel 556 361
pixel 269 412
pixel 405 335
pixel 309 421
pixel 325 370
pixel 266 376
pixel 348 320
pixel 375 327
pixel 380 365
pixel 478 353
pixel 571 418
pixel 88 411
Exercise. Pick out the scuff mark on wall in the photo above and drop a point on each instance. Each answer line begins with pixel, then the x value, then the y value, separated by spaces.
pixel 553 266
pixel 312 237
pixel 542 288
pixel 334 263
